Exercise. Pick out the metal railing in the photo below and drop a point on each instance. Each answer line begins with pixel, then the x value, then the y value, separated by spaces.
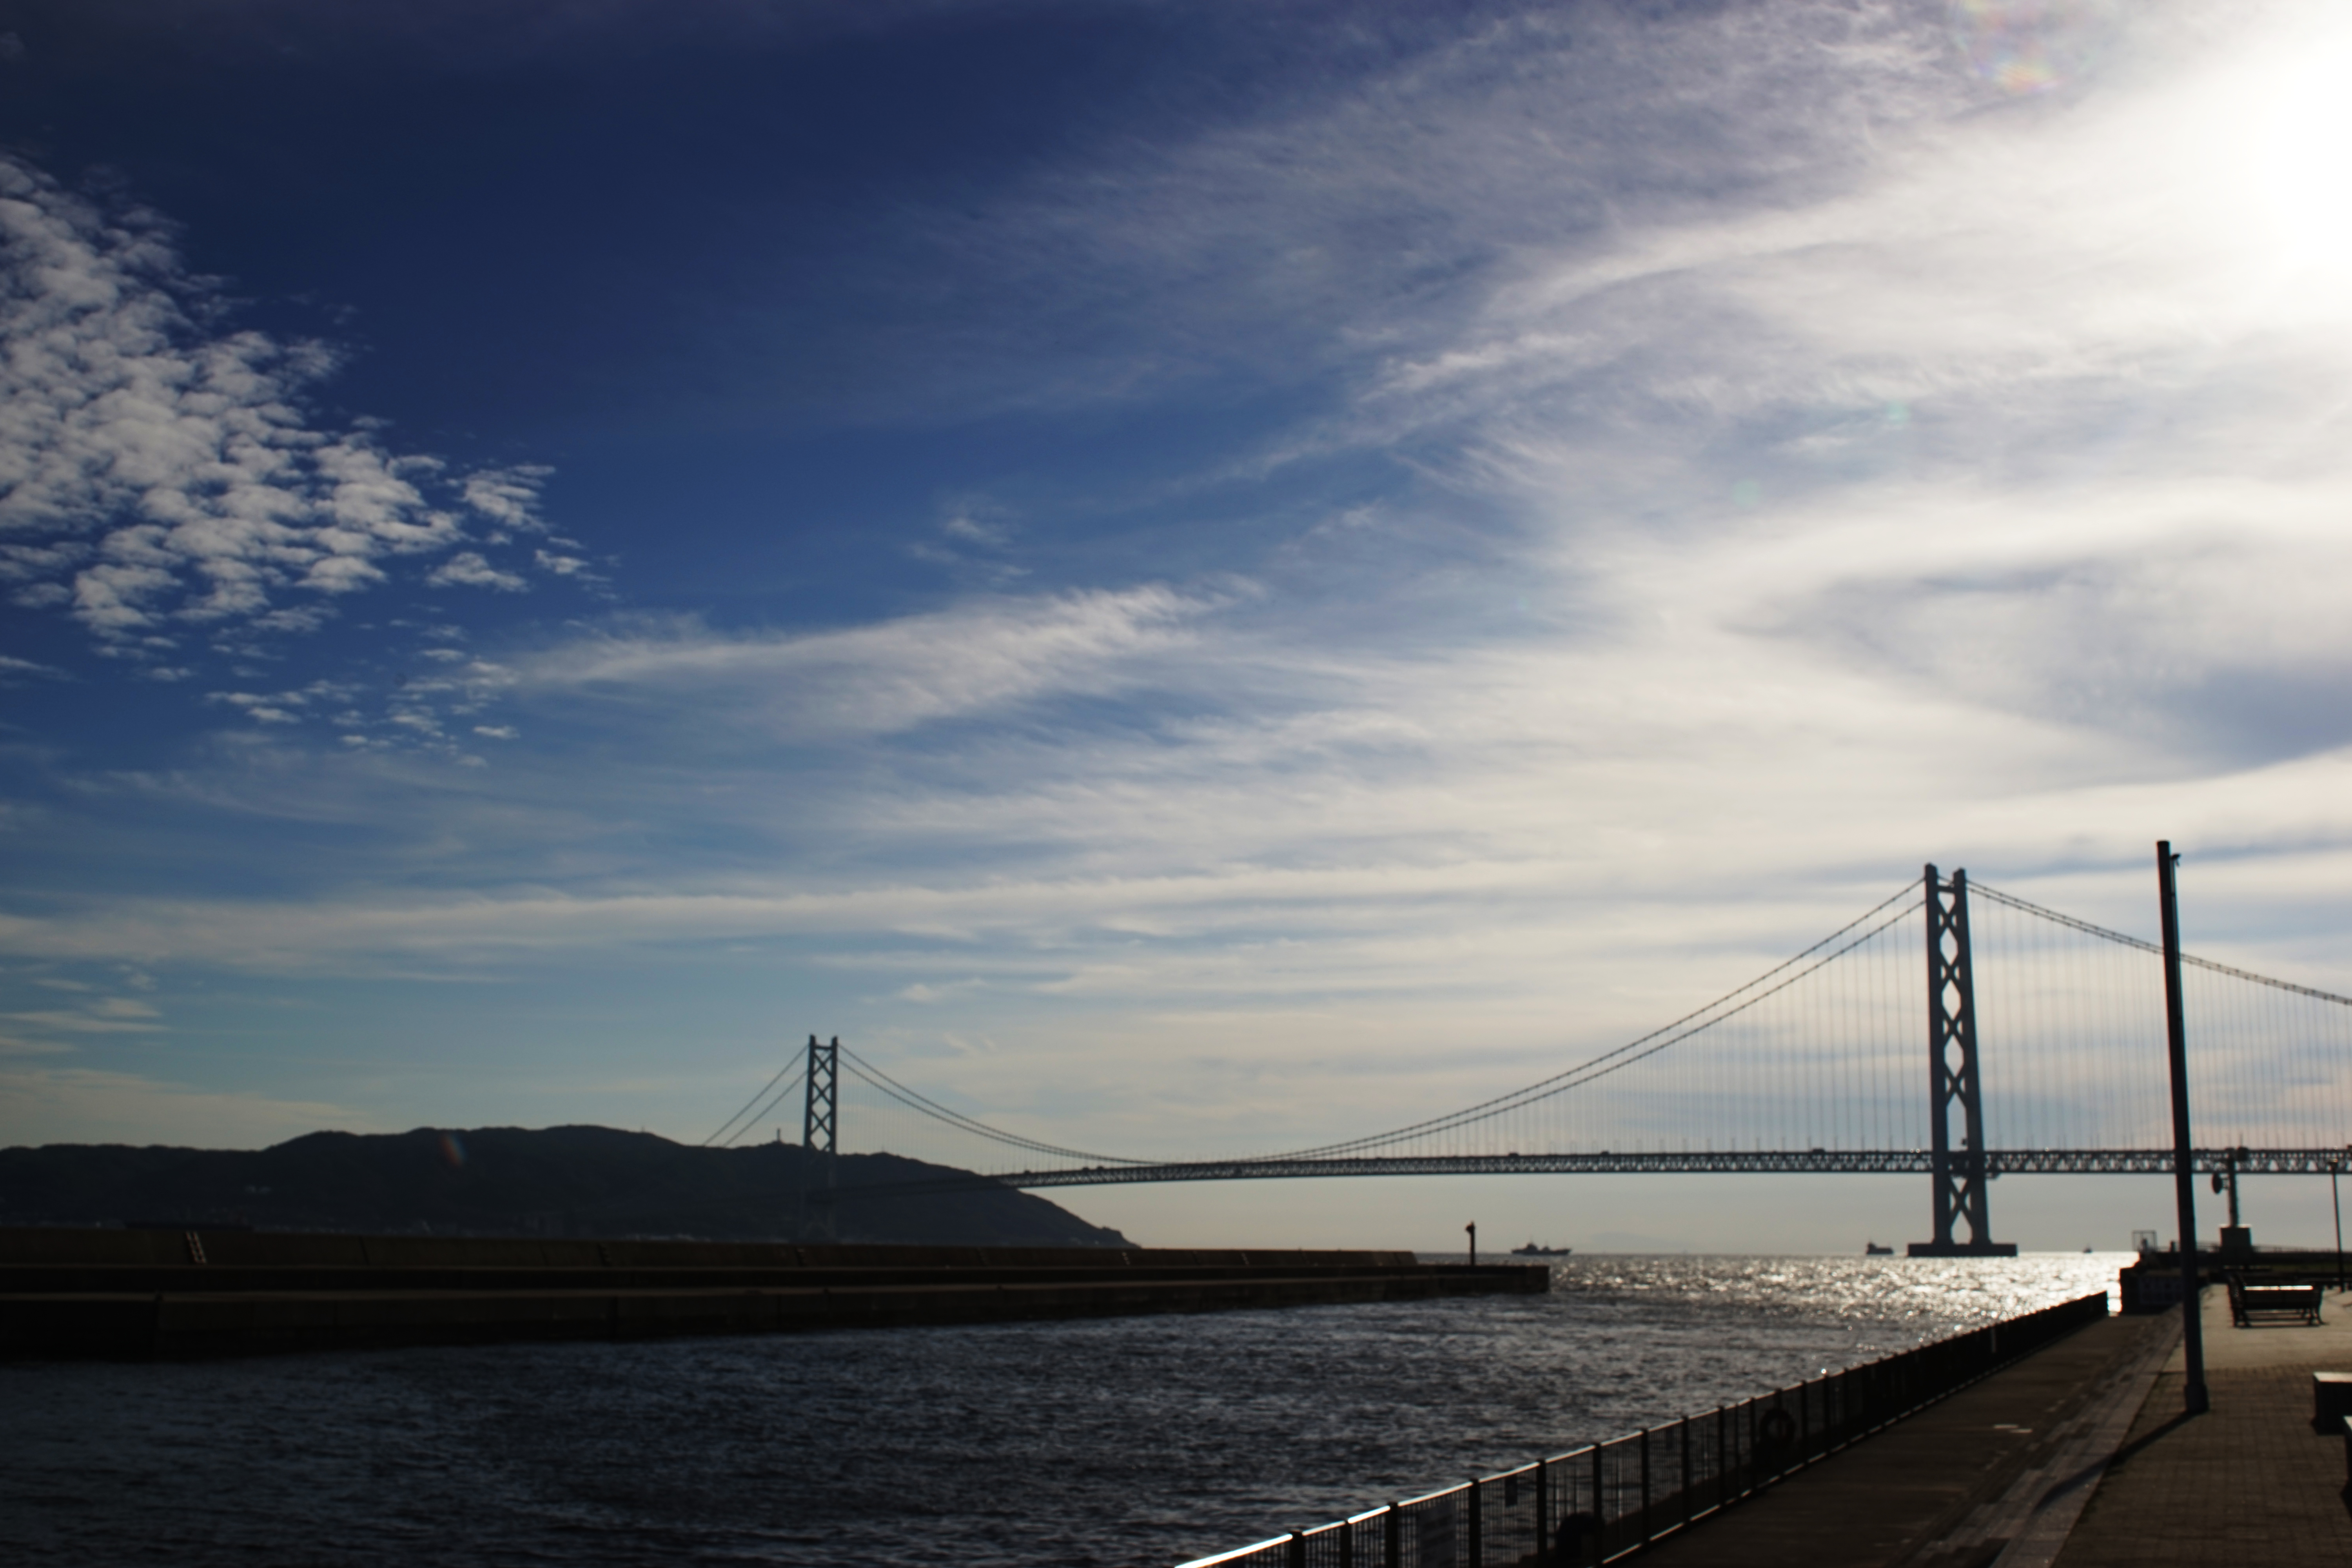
pixel 1596 1504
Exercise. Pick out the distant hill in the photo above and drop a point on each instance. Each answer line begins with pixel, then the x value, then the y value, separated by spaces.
pixel 512 1180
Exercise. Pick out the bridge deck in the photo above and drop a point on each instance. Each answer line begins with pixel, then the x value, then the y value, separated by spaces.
pixel 1721 1162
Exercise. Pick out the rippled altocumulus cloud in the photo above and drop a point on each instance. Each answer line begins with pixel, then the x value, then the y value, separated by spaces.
pixel 159 471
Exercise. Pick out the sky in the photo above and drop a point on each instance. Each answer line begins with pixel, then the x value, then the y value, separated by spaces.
pixel 1190 579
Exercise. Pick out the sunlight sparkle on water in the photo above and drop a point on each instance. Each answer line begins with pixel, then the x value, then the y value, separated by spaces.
pixel 1047 1445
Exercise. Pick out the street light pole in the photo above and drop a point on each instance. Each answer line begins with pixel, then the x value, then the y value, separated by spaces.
pixel 2184 1183
pixel 2335 1201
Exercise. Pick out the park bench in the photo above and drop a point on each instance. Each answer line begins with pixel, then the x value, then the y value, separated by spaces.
pixel 2298 1303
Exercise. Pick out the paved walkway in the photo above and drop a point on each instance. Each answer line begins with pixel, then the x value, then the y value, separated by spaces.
pixel 2250 1482
pixel 2078 1457
pixel 2005 1460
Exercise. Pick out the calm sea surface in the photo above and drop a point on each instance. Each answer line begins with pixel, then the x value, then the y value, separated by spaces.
pixel 1137 1441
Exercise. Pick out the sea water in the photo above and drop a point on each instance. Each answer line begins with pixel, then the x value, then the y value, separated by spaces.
pixel 1123 1441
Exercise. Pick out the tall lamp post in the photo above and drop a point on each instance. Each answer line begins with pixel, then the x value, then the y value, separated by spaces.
pixel 2184 1183
pixel 2336 1197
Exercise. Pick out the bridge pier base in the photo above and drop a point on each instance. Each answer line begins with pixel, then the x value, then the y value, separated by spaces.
pixel 1963 1249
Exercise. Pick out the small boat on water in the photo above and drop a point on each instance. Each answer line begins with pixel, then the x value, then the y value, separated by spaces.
pixel 1872 1249
pixel 1532 1250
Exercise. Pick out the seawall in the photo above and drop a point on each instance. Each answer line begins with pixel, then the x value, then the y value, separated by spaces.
pixel 140 1294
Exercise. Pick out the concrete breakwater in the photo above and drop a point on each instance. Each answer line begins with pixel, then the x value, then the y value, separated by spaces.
pixel 137 1294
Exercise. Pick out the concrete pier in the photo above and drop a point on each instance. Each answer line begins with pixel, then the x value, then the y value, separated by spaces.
pixel 2253 1480
pixel 1958 1483
pixel 2079 1456
pixel 123 1294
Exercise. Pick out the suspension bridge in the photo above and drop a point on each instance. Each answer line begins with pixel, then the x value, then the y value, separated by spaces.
pixel 2045 1054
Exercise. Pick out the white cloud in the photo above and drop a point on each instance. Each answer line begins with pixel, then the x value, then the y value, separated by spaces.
pixel 1879 481
pixel 290 707
pixel 97 1021
pixel 1369 205
pixel 980 656
pixel 157 470
pixel 966 527
pixel 13 669
pixel 17 1045
pixel 470 569
pixel 562 565
pixel 259 709
pixel 509 496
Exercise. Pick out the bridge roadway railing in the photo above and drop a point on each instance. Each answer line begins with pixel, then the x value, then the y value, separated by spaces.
pixel 1728 1162
pixel 1596 1504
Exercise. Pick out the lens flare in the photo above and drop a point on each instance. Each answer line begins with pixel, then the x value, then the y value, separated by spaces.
pixel 453 1149
pixel 2025 47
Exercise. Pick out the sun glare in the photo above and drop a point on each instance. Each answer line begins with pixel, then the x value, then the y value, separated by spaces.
pixel 2305 160
pixel 2255 158
pixel 2302 160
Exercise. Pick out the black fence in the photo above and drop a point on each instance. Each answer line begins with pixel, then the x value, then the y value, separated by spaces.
pixel 1598 1503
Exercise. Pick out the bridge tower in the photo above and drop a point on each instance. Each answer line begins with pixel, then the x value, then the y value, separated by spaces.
pixel 819 1120
pixel 1957 1175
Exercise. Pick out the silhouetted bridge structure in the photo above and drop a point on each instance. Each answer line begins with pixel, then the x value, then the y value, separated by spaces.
pixel 1814 1067
pixel 1727 1162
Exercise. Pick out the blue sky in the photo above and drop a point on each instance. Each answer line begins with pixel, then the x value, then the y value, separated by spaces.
pixel 1192 578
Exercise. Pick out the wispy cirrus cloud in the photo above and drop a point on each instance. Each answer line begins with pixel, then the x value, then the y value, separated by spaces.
pixel 89 1105
pixel 985 655
pixel 13 670
pixel 1889 466
pixel 109 1015
pixel 1369 208
pixel 17 1045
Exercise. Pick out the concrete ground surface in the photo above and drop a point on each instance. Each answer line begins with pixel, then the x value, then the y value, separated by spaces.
pixel 2249 1482
pixel 2079 1457
pixel 2002 1466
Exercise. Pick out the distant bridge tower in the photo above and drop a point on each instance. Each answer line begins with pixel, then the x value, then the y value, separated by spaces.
pixel 1957 1175
pixel 819 1121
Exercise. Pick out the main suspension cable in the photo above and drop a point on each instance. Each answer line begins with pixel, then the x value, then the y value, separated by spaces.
pixel 1625 1055
pixel 2145 946
pixel 757 1096
pixel 913 1100
pixel 773 1100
